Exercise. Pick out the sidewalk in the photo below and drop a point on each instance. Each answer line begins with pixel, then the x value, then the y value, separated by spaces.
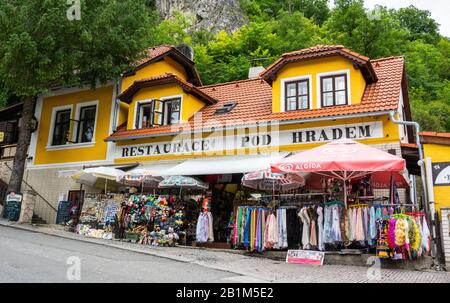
pixel 253 269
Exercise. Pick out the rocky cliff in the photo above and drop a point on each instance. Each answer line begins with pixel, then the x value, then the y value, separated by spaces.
pixel 212 15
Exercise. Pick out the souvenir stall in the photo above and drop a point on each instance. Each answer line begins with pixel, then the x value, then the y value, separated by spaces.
pixel 98 217
pixel 163 217
pixel 350 216
pixel 259 225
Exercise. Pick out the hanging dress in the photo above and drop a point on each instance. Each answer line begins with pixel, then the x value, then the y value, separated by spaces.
pixel 210 227
pixel 306 222
pixel 320 227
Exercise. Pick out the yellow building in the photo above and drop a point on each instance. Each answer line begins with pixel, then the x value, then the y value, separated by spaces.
pixel 160 116
pixel 437 149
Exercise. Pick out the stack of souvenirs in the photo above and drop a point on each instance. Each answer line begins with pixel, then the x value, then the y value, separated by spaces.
pixel 157 220
pixel 98 216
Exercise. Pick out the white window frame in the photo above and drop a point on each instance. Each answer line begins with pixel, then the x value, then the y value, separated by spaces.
pixel 77 118
pixel 332 73
pixel 283 90
pixel 52 126
pixel 181 106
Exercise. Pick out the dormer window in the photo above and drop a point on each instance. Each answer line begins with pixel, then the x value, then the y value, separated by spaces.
pixel 297 95
pixel 334 90
pixel 158 112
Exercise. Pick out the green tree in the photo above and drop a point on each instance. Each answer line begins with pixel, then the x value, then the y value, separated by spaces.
pixel 47 43
pixel 374 35
pixel 419 24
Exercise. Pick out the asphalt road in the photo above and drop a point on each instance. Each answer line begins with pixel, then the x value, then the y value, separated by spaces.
pixel 34 257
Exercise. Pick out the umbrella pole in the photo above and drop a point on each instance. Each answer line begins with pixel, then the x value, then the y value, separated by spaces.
pixel 106 186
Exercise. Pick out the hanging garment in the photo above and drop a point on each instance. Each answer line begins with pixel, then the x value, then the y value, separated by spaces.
pixel 343 220
pixel 252 229
pixel 243 225
pixel 313 230
pixel 426 238
pixel 202 228
pixel 326 235
pixel 263 229
pixel 359 234
pixel 247 230
pixel 366 224
pixel 271 231
pixel 281 215
pixel 294 228
pixel 210 227
pixel 306 223
pixel 320 228
pixel 354 223
pixel 372 226
pixel 336 224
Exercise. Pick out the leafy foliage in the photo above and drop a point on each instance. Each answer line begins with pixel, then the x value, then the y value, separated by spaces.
pixel 41 47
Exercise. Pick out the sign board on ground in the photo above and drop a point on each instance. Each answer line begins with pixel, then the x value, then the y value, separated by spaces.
pixel 12 206
pixel 305 257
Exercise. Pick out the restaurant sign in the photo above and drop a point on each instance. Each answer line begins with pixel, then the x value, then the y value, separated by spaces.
pixel 220 145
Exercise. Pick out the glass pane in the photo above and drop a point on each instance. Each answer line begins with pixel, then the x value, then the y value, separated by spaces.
pixel 63 116
pixel 327 84
pixel 327 99
pixel 291 89
pixel 303 88
pixel 88 113
pixel 175 106
pixel 340 98
pixel 175 118
pixel 146 116
pixel 87 131
pixel 340 83
pixel 292 103
pixel 304 102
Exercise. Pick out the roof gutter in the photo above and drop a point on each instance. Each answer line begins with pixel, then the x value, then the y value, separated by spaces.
pixel 212 129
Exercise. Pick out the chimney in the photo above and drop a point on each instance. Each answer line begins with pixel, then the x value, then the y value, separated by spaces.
pixel 186 50
pixel 253 72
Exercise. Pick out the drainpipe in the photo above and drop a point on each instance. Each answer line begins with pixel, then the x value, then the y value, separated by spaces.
pixel 118 84
pixel 435 252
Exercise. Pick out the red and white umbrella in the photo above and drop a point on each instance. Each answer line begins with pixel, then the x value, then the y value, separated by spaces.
pixel 345 160
pixel 267 180
pixel 140 177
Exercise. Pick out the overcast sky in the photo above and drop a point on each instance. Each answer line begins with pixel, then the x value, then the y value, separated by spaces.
pixel 440 9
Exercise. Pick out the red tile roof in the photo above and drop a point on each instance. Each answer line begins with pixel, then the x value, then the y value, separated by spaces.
pixel 254 103
pixel 434 134
pixel 321 51
pixel 166 78
pixel 155 53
